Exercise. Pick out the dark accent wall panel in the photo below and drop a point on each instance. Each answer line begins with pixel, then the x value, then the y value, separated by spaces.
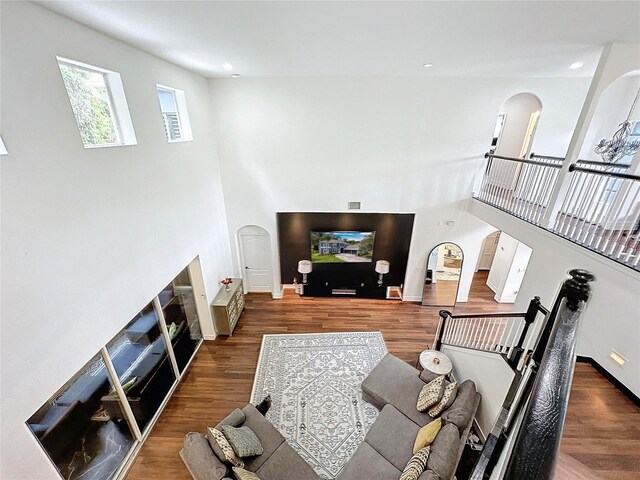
pixel 393 238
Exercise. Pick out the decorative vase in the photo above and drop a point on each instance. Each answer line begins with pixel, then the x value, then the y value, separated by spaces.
pixel 227 288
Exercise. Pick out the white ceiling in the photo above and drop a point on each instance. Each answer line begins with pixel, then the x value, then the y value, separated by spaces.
pixel 461 38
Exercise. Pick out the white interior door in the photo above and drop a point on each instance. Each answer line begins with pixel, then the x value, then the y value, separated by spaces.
pixel 488 251
pixel 256 259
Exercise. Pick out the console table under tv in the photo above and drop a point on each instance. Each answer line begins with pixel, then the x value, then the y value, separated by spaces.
pixel 363 289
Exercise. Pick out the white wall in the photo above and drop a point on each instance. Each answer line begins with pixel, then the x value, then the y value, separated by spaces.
pixel 89 236
pixel 492 376
pixel 612 318
pixel 508 267
pixel 395 144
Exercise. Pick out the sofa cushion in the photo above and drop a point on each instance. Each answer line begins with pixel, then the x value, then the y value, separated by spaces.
pixel 235 419
pixel 426 376
pixel 286 464
pixel 461 412
pixel 395 382
pixel 392 435
pixel 242 474
pixel 448 397
pixel 221 447
pixel 200 459
pixel 427 475
pixel 366 463
pixel 444 452
pixel 269 437
pixel 431 394
pixel 243 441
pixel 427 434
pixel 416 465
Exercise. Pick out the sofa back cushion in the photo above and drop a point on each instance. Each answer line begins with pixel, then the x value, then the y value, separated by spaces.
pixel 461 412
pixel 234 419
pixel 443 457
pixel 200 459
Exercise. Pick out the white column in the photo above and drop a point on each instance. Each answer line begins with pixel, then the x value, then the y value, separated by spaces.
pixel 615 61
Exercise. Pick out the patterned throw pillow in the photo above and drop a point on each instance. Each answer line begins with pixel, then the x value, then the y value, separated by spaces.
pixel 448 397
pixel 431 394
pixel 427 434
pixel 244 442
pixel 416 465
pixel 220 445
pixel 242 474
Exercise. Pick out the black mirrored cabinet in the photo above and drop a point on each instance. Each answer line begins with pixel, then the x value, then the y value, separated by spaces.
pixel 92 425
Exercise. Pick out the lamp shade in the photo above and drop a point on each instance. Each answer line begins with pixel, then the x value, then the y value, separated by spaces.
pixel 382 267
pixel 304 266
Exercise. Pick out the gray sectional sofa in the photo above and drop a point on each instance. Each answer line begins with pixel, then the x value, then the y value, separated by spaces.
pixel 392 387
pixel 278 461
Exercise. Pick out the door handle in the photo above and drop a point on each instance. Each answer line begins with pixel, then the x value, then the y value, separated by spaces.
pixel 247 268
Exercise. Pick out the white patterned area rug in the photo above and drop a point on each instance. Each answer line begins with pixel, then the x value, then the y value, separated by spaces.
pixel 314 382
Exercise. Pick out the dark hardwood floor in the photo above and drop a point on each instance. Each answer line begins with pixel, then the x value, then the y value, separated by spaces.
pixel 602 430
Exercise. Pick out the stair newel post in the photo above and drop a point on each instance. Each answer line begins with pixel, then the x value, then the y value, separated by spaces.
pixel 529 318
pixel 536 446
pixel 437 341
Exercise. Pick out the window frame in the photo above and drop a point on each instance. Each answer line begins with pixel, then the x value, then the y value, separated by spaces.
pixel 116 101
pixel 184 122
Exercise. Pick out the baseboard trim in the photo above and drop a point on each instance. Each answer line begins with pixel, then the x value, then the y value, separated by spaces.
pixel 278 295
pixel 614 381
pixel 209 337
pixel 411 298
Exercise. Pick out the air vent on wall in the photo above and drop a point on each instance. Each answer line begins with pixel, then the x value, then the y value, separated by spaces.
pixel 354 205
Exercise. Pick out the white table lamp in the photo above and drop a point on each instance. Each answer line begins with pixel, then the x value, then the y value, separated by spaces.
pixel 304 267
pixel 382 268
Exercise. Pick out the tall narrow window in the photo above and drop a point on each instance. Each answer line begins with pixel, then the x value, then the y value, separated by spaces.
pixel 173 106
pixel 98 103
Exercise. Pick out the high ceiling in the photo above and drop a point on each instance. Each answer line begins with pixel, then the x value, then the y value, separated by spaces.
pixel 275 39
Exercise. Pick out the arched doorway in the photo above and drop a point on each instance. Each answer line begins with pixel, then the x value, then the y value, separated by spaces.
pixel 516 125
pixel 442 280
pixel 254 245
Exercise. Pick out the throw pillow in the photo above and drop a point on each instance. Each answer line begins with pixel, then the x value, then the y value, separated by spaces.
pixel 427 434
pixel 448 397
pixel 430 394
pixel 222 449
pixel 128 385
pixel 244 442
pixel 416 465
pixel 173 328
pixel 242 474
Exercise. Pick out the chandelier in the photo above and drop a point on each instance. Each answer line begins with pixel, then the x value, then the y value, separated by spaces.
pixel 619 145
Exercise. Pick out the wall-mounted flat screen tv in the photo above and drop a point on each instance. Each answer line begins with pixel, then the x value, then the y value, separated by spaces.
pixel 342 247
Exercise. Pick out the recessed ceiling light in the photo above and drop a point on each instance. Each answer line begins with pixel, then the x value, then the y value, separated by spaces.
pixel 235 75
pixel 227 66
pixel 428 65
pixel 576 65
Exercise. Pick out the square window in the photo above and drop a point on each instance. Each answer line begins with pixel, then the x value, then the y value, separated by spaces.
pixel 173 105
pixel 98 103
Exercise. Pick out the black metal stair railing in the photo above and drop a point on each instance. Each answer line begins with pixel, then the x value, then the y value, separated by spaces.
pixel 501 333
pixel 538 440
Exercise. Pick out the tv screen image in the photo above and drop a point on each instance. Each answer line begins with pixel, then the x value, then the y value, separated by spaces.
pixel 342 247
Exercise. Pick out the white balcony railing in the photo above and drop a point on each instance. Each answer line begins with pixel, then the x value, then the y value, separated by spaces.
pixel 599 208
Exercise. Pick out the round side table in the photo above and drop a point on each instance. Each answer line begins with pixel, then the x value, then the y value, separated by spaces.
pixel 435 362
